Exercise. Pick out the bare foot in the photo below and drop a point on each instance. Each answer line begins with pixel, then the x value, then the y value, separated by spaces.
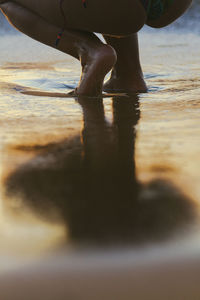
pixel 127 76
pixel 129 85
pixel 96 63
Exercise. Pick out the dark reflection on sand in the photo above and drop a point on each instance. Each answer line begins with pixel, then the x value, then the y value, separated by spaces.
pixel 91 182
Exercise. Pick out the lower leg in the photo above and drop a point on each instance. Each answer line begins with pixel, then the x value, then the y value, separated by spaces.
pixel 97 59
pixel 127 73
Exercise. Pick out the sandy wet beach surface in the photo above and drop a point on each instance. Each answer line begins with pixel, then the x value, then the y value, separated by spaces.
pixel 100 194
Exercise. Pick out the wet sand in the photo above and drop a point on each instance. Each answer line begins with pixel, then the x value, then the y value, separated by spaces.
pixel 99 198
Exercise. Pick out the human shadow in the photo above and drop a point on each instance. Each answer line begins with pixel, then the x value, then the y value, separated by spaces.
pixel 90 182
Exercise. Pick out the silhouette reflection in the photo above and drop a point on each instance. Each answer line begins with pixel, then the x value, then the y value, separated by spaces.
pixel 90 182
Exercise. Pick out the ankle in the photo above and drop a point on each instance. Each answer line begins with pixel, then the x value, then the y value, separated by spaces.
pixel 126 74
pixel 126 83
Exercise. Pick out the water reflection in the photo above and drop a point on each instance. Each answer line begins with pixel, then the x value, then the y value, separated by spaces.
pixel 90 183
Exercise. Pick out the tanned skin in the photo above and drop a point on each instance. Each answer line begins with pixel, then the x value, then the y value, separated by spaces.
pixel 119 25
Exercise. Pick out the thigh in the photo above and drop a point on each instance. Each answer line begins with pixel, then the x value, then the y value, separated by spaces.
pixel 121 17
pixel 117 17
pixel 47 9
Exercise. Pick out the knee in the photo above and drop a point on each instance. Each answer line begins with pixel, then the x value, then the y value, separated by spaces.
pixel 9 10
pixel 5 6
pixel 17 15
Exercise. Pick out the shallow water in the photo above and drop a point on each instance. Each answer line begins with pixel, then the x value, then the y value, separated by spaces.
pixel 119 175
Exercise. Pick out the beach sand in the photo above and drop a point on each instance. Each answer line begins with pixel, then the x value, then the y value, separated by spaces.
pixel 100 198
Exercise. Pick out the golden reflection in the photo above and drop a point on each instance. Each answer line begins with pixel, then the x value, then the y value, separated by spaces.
pixel 89 183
